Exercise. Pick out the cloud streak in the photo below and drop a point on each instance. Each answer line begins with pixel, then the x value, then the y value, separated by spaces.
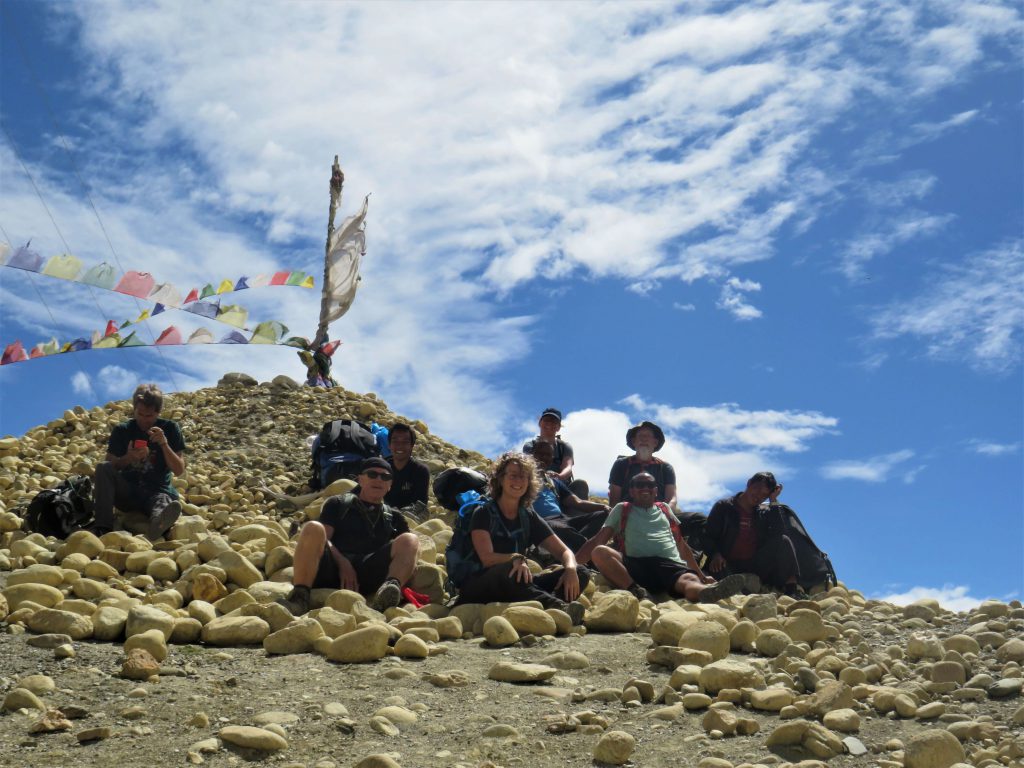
pixel 970 311
pixel 871 470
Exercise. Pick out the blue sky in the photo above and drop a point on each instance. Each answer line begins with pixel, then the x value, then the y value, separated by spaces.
pixel 788 232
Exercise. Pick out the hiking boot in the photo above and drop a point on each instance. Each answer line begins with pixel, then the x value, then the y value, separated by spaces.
pixel 297 601
pixel 727 587
pixel 639 592
pixel 160 522
pixel 576 610
pixel 752 583
pixel 388 595
pixel 796 592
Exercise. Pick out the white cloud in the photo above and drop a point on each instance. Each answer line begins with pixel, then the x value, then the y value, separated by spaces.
pixel 116 381
pixel 729 425
pixel 683 307
pixel 80 383
pixel 709 464
pixel 732 299
pixel 872 470
pixel 950 597
pixel 895 231
pixel 988 448
pixel 969 311
pixel 933 130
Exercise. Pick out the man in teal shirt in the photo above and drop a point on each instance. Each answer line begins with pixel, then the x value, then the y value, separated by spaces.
pixel 651 556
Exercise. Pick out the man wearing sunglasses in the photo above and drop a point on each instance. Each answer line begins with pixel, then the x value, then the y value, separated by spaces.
pixel 651 555
pixel 359 543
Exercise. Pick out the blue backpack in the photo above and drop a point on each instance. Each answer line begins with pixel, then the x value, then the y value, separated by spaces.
pixel 339 450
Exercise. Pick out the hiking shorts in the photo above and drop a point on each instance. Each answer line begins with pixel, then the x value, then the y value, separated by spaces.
pixel 655 574
pixel 371 570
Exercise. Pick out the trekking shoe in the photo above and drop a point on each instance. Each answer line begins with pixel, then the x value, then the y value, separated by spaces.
pixel 727 587
pixel 639 592
pixel 388 595
pixel 752 583
pixel 575 610
pixel 297 601
pixel 796 592
pixel 161 522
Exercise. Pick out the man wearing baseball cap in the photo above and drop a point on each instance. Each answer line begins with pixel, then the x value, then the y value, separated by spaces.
pixel 645 438
pixel 359 543
pixel 561 465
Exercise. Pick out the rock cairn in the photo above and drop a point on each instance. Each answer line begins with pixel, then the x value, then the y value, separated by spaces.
pixel 801 677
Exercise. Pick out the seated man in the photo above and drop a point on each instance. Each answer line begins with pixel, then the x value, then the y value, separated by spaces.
pixel 574 520
pixel 646 439
pixel 136 475
pixel 652 556
pixel 411 478
pixel 562 460
pixel 741 536
pixel 358 543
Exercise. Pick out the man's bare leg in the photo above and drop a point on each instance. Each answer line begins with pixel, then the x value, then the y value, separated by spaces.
pixel 404 551
pixel 609 563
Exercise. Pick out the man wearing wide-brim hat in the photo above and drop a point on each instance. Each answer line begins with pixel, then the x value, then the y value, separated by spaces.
pixel 645 438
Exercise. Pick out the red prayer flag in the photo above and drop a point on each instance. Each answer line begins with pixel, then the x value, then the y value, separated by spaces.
pixel 14 353
pixel 171 335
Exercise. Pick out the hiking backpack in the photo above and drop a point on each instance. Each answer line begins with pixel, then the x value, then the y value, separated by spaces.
pixel 814 565
pixel 339 450
pixel 460 556
pixel 62 510
pixel 451 483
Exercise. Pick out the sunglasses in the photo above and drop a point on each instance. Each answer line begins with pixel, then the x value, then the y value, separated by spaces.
pixel 373 475
pixel 644 484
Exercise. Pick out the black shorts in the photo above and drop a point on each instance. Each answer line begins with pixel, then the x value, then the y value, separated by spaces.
pixel 371 570
pixel 655 574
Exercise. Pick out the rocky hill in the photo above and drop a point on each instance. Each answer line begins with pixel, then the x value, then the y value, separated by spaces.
pixel 116 651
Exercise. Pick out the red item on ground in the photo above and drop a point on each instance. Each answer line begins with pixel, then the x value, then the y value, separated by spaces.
pixel 418 599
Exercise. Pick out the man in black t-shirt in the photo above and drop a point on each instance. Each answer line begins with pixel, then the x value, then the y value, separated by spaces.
pixel 646 439
pixel 142 454
pixel 359 543
pixel 563 459
pixel 411 478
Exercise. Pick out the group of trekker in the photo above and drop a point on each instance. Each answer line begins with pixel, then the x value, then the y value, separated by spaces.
pixel 362 542
pixel 531 501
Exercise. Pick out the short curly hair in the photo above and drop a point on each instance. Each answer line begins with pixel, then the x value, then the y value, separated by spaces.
pixel 149 396
pixel 528 465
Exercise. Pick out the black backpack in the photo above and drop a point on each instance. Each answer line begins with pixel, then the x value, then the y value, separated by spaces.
pixel 339 450
pixel 62 510
pixel 815 566
pixel 450 483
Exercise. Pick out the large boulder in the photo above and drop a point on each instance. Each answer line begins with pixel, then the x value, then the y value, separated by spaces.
pixel 235 630
pixel 615 611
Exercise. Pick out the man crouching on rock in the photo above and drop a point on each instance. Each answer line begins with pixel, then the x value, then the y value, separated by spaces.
pixel 136 475
pixel 359 543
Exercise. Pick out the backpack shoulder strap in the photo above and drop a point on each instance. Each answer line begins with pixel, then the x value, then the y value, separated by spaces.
pixel 672 522
pixel 524 530
pixel 627 507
